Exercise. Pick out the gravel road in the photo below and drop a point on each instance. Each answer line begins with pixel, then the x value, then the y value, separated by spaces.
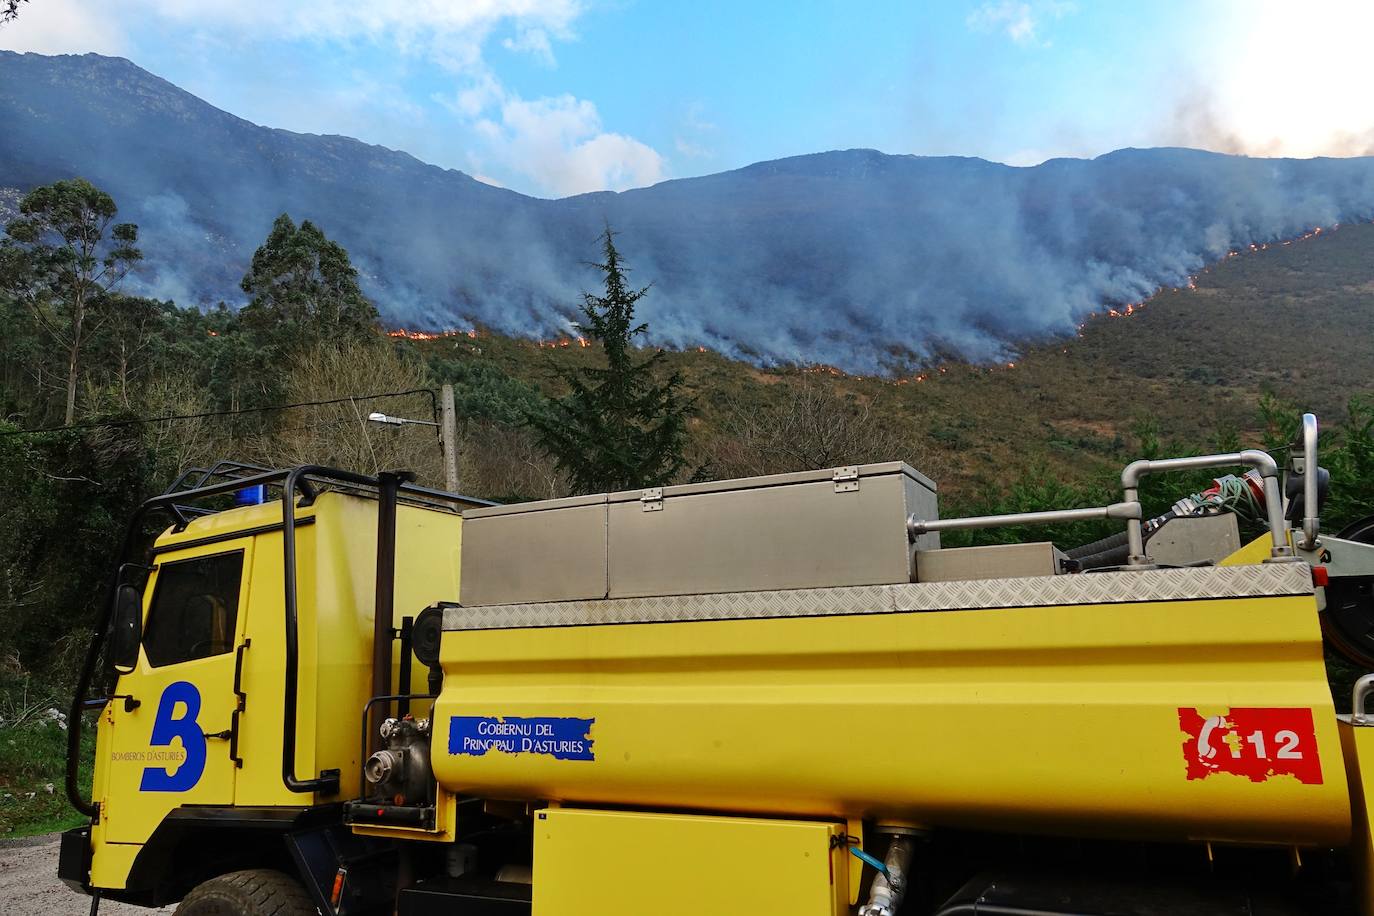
pixel 29 885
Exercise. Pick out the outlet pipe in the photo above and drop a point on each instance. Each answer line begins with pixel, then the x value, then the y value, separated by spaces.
pixel 1260 461
pixel 888 890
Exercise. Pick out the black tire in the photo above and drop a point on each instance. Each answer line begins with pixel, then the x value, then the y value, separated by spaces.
pixel 254 892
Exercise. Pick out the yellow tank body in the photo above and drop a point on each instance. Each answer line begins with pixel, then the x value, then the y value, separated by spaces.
pixel 1065 717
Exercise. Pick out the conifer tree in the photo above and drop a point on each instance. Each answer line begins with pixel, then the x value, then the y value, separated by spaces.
pixel 619 427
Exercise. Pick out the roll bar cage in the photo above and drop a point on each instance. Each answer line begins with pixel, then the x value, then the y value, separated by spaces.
pixel 180 503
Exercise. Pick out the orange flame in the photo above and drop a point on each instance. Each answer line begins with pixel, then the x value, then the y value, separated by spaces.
pixel 407 334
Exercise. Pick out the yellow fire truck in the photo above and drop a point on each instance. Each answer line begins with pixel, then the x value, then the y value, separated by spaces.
pixel 776 695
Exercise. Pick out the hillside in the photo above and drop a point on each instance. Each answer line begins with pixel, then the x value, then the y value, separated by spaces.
pixel 854 258
pixel 1294 320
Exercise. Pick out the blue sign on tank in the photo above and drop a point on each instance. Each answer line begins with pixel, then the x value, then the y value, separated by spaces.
pixel 562 738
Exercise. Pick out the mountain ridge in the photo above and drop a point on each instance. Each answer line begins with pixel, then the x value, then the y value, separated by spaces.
pixel 858 258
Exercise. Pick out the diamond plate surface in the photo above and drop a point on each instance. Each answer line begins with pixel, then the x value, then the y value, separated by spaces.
pixel 1261 580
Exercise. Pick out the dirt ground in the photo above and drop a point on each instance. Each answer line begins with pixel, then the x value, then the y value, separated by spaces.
pixel 29 884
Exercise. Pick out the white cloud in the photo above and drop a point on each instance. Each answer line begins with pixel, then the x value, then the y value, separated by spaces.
pixel 452 33
pixel 65 27
pixel 1022 21
pixel 534 42
pixel 558 143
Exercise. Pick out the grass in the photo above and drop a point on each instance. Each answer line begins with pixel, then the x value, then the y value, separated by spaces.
pixel 33 761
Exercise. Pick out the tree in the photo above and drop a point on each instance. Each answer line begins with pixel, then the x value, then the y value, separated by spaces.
pixel 618 428
pixel 809 425
pixel 63 258
pixel 340 434
pixel 304 290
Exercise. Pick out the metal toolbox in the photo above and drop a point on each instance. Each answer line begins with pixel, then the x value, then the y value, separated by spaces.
pixel 995 561
pixel 813 529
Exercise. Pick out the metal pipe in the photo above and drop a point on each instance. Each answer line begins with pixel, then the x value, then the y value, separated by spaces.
pixel 1311 521
pixel 1135 531
pixel 403 680
pixel 1260 461
pixel 916 527
pixel 887 891
pixel 327 783
pixel 384 601
pixel 1359 698
pixel 1278 525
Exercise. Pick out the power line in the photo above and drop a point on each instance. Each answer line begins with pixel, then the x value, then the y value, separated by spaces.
pixel 137 421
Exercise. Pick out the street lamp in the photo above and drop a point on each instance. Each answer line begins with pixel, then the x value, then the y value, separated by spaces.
pixel 448 434
pixel 377 417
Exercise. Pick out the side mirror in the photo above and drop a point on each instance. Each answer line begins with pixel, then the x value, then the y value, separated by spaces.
pixel 126 629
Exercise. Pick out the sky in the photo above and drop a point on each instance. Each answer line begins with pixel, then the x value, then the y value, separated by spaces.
pixel 559 97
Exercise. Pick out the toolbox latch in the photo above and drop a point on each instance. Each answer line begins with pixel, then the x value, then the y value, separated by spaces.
pixel 651 499
pixel 846 479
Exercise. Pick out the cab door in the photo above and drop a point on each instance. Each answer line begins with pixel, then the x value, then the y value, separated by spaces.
pixel 169 742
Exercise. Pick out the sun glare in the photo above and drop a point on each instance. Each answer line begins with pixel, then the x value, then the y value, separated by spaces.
pixel 1295 80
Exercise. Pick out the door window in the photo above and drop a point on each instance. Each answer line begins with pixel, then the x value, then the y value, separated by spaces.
pixel 195 605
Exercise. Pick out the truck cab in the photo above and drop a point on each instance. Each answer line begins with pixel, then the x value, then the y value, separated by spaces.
pixel 239 656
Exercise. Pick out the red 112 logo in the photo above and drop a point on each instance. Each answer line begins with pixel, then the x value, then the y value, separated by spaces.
pixel 1255 742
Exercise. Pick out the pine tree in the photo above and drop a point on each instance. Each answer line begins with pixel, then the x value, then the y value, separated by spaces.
pixel 619 427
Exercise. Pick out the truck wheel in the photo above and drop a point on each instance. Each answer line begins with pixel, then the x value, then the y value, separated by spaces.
pixel 255 892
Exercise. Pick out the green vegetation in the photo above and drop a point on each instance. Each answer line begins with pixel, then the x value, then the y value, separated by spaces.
pixel 63 259
pixel 32 762
pixel 619 426
pixel 1226 365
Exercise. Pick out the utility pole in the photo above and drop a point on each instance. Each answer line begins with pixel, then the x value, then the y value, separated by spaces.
pixel 448 437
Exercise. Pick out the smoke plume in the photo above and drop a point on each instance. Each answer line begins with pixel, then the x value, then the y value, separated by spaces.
pixel 857 259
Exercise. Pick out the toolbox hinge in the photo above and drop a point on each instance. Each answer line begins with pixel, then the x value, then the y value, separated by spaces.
pixel 651 499
pixel 846 479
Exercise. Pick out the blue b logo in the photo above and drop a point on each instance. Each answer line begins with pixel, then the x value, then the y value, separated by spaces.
pixel 169 725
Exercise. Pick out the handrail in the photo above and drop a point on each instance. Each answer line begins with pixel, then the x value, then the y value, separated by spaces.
pixel 1127 510
pixel 1311 520
pixel 1260 461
